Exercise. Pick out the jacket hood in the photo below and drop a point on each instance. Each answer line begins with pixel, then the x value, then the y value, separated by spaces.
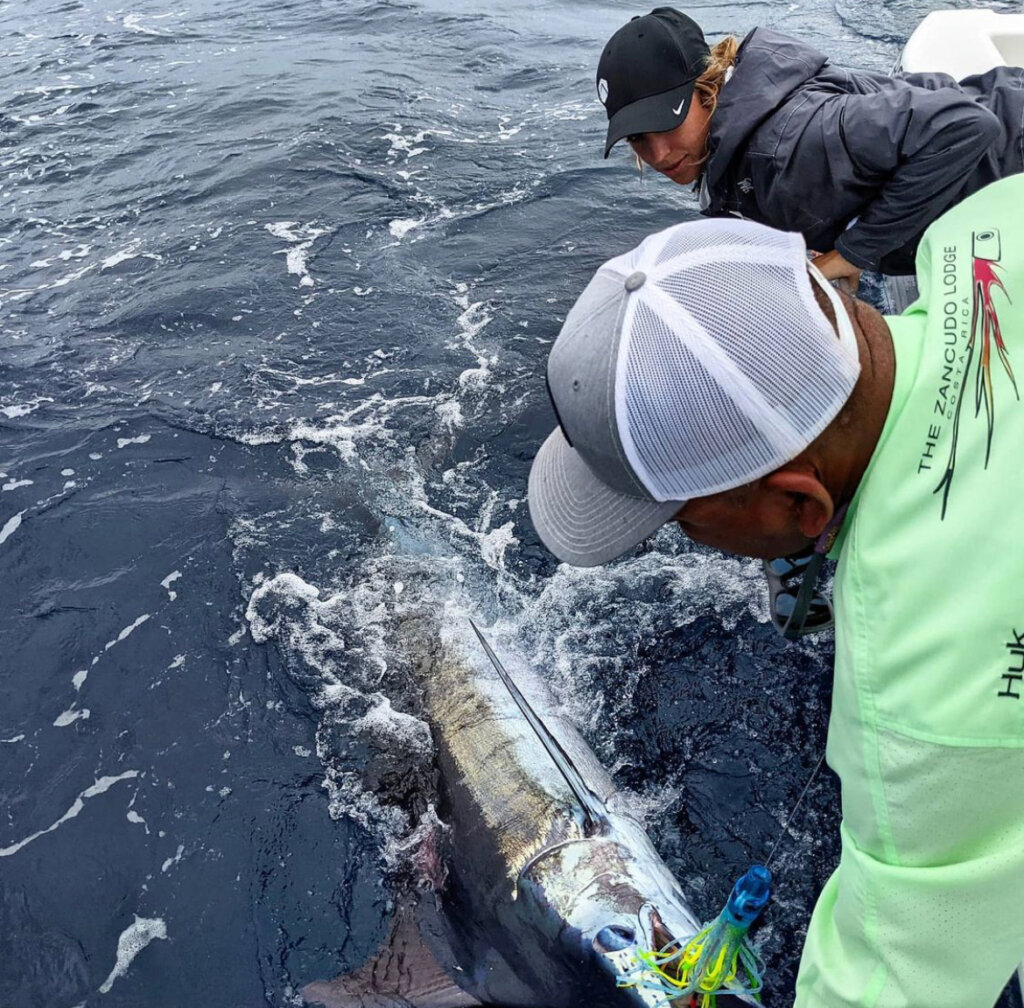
pixel 769 68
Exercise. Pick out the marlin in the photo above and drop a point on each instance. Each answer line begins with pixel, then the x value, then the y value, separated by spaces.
pixel 546 891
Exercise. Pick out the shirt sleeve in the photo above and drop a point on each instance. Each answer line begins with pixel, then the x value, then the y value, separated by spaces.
pixel 925 907
pixel 920 146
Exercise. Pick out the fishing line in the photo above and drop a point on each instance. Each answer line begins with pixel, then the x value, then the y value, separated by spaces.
pixel 792 811
pixel 719 959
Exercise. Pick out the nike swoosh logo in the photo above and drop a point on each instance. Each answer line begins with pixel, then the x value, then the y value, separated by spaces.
pixel 676 111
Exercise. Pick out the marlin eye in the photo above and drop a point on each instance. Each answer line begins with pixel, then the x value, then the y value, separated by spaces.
pixel 614 937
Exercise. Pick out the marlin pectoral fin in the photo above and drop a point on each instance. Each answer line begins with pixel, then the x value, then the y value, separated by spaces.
pixel 405 973
pixel 592 806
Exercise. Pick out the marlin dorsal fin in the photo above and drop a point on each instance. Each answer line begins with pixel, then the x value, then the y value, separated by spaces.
pixel 592 806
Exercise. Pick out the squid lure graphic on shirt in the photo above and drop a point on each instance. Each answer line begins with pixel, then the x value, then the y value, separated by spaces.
pixel 986 333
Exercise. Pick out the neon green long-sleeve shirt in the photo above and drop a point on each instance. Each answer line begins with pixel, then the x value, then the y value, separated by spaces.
pixel 926 908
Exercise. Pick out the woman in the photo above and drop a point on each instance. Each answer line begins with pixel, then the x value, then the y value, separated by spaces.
pixel 858 162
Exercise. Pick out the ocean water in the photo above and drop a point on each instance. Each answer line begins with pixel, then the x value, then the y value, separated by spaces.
pixel 277 283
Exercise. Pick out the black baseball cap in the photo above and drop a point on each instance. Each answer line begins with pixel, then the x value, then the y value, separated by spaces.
pixel 647 72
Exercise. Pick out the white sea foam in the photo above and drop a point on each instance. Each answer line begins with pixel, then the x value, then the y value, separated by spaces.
pixel 172 861
pixel 131 942
pixel 16 484
pixel 406 145
pixel 70 717
pixel 39 117
pixel 340 679
pixel 473 319
pixel 505 131
pixel 65 255
pixel 131 628
pixel 133 22
pixel 123 442
pixel 302 237
pixel 78 679
pixel 100 786
pixel 574 628
pixel 347 432
pixel 400 227
pixel 168 581
pixel 10 527
pixel 124 255
pixel 63 281
pixel 368 437
pixel 23 409
pixel 449 413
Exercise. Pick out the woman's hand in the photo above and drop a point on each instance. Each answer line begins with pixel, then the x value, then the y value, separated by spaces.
pixel 834 267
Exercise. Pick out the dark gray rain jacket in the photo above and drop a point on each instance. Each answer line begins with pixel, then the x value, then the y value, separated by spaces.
pixel 855 160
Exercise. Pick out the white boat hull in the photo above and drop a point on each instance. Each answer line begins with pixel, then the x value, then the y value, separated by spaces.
pixel 964 42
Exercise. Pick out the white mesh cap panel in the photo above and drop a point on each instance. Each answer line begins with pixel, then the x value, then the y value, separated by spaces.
pixel 787 355
pixel 728 367
pixel 718 235
pixel 686 434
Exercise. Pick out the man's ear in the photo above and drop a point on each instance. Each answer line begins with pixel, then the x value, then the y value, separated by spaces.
pixel 811 503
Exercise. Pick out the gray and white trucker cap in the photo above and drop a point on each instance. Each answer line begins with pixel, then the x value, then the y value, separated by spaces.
pixel 696 363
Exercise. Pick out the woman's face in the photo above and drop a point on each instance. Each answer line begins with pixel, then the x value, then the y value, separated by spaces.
pixel 678 153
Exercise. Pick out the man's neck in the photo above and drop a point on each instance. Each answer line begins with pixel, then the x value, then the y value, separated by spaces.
pixel 855 442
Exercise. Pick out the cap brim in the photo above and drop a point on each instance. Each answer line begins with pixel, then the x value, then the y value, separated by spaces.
pixel 654 114
pixel 583 521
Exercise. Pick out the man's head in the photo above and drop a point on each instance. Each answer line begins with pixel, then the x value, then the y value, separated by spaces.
pixel 698 378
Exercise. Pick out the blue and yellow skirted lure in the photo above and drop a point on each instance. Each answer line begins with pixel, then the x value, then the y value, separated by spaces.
pixel 718 959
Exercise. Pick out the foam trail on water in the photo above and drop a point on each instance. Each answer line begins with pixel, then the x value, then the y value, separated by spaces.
pixel 10 527
pixel 130 943
pixel 332 651
pixel 302 238
pixel 101 786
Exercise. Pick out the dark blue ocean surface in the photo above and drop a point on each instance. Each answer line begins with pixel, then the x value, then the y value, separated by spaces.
pixel 277 282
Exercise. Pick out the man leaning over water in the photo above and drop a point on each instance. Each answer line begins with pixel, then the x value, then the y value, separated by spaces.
pixel 712 378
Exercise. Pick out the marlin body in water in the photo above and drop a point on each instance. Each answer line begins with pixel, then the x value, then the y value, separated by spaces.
pixel 547 890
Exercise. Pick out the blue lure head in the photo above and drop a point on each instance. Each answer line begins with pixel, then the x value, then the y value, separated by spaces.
pixel 748 897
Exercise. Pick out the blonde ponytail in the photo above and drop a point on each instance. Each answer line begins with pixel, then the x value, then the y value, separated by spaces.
pixel 720 59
